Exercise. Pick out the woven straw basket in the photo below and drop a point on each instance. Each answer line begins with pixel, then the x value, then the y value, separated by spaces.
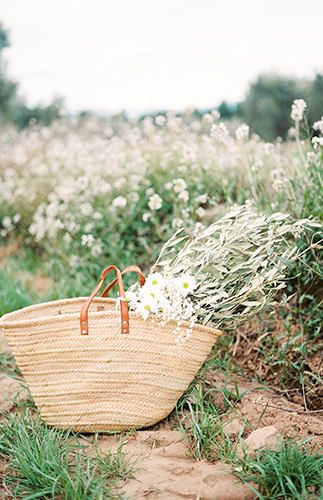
pixel 92 367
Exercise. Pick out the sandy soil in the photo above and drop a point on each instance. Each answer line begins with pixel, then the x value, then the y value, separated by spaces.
pixel 166 472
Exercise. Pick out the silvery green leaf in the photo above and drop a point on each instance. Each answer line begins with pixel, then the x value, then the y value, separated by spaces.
pixel 252 303
pixel 290 264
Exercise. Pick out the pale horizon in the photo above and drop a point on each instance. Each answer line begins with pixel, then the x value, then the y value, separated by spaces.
pixel 148 55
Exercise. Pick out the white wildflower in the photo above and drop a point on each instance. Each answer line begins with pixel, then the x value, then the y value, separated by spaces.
pixel 220 133
pixel 317 142
pixel 202 198
pixel 198 229
pixel 314 158
pixel 96 250
pixel 298 108
pixel 145 306
pixel 200 212
pixel 119 183
pixel 133 197
pixel 160 120
pixel 195 126
pixel 182 168
pixel 88 227
pixel 108 132
pixel 154 282
pixel 166 296
pixel 16 218
pixel 146 216
pixel 318 125
pixel 242 132
pixel 177 222
pixel 52 209
pixel 73 227
pixel 6 222
pixel 74 261
pixel 150 191
pixel 86 208
pixel 104 187
pixel 155 202
pixel 183 195
pixel 268 148
pixel 179 185
pixel 131 299
pixel 119 202
pixel 278 185
pixel 67 238
pixel 97 216
pixel 185 284
pixel 207 118
pixel 255 137
pixel 216 114
pixel 87 240
pixel 291 132
pixel 250 205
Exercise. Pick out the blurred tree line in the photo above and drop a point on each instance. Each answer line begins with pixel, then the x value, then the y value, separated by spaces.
pixel 13 109
pixel 266 108
pixel 267 105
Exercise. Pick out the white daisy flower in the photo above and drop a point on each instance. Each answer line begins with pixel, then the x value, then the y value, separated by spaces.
pixel 154 281
pixel 186 284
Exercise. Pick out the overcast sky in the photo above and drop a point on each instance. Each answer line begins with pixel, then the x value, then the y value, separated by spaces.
pixel 140 55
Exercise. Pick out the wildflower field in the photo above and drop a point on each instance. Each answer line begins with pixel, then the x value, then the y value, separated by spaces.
pixel 86 193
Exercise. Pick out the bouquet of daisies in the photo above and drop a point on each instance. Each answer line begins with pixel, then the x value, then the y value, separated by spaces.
pixel 225 275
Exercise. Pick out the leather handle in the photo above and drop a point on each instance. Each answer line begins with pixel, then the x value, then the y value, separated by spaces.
pixel 128 269
pixel 123 306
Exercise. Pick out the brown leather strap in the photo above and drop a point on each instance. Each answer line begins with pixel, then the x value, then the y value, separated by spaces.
pixel 128 269
pixel 123 305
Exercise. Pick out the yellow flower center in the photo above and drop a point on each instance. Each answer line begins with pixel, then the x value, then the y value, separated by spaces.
pixel 147 307
pixel 154 282
pixel 153 295
pixel 185 285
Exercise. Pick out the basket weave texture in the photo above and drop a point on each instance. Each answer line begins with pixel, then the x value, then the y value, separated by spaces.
pixel 103 381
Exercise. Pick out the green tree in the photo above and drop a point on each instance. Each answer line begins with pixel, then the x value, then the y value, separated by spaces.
pixel 44 115
pixel 8 89
pixel 267 106
pixel 12 108
pixel 315 99
pixel 226 110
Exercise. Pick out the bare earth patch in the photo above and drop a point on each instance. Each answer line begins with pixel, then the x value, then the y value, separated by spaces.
pixel 166 472
pixel 164 468
pixel 288 417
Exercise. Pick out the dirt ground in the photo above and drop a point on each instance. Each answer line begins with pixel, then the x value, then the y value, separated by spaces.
pixel 165 469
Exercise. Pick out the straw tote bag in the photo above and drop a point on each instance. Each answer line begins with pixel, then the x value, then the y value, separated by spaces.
pixel 96 368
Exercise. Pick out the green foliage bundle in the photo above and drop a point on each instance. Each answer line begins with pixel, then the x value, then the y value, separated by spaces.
pixel 239 263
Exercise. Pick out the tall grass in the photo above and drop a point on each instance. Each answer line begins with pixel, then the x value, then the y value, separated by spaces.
pixel 47 463
pixel 293 471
